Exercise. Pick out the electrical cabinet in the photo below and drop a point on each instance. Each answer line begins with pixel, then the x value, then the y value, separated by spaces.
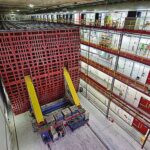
pixel 137 124
pixel 144 104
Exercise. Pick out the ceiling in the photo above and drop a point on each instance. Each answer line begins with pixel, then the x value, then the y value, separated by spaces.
pixel 40 3
pixel 8 6
pixel 23 5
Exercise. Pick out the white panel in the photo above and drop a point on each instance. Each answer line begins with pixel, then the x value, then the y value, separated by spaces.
pixel 125 43
pixel 120 88
pixel 114 107
pixel 84 47
pixel 125 66
pixel 76 18
pixel 143 49
pixel 4 134
pixel 90 18
pixel 84 53
pixel 83 83
pixel 93 50
pixel 103 58
pixel 132 96
pixel 101 77
pixel 84 65
pixel 98 95
pixel 120 112
pixel 125 116
pixel 133 44
pixel 128 67
pixel 115 41
pixel 94 38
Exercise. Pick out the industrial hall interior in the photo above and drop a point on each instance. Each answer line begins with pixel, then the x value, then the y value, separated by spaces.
pixel 74 74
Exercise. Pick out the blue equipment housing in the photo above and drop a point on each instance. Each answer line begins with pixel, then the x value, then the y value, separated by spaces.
pixel 46 137
pixel 55 106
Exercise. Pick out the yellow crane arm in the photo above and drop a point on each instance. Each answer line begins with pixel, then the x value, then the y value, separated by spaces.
pixel 71 87
pixel 34 100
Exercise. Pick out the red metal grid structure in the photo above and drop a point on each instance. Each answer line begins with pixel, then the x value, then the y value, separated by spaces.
pixel 42 54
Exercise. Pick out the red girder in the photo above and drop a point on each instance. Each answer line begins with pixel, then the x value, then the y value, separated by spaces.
pixel 133 111
pixel 127 55
pixel 130 31
pixel 121 77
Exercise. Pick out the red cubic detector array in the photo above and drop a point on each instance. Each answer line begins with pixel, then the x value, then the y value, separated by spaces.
pixel 42 55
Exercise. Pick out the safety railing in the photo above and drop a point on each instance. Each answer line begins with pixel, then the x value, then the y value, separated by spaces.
pixel 133 111
pixel 130 25
pixel 121 77
pixel 121 53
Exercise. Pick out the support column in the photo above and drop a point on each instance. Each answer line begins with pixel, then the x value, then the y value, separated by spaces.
pixel 88 58
pixel 115 69
pixel 145 139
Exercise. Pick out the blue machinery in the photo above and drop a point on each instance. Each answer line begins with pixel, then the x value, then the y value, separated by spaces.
pixel 50 121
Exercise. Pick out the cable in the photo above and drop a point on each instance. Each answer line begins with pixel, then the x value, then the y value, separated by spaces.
pixel 105 145
pixel 15 132
pixel 49 147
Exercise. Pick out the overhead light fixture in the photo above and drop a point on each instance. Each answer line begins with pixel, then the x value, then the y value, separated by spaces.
pixel 17 10
pixel 31 5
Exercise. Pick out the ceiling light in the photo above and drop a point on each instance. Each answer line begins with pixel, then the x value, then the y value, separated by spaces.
pixel 31 5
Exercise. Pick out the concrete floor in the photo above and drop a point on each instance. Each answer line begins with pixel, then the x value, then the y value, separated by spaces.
pixel 109 135
pixel 81 139
pixel 112 135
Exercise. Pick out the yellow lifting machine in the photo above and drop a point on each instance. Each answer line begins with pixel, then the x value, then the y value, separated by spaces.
pixel 51 125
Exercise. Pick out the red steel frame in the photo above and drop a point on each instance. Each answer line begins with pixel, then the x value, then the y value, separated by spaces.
pixel 138 122
pixel 96 26
pixel 127 55
pixel 133 111
pixel 42 54
pixel 143 32
pixel 121 77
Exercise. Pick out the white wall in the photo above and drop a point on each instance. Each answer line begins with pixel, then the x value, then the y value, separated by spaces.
pixel 76 18
pixel 5 139
pixel 90 18
pixel 133 69
pixel 133 44
pixel 127 93
pixel 121 117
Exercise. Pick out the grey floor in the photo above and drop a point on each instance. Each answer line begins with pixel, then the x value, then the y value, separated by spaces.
pixel 109 135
